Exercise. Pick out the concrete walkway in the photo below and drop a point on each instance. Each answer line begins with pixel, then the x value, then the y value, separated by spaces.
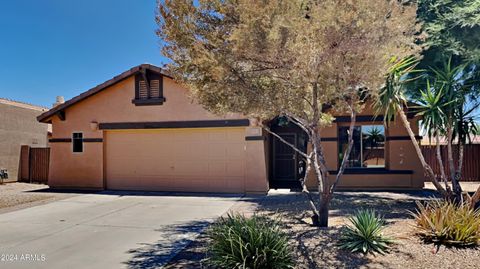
pixel 106 230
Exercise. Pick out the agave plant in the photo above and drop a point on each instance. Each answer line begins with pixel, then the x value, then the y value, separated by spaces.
pixel 447 223
pixel 365 233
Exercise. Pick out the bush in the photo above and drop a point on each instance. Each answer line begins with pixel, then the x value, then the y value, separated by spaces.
pixel 364 234
pixel 447 223
pixel 256 242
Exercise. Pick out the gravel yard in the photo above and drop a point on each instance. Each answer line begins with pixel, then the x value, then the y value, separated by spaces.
pixel 318 248
pixel 19 195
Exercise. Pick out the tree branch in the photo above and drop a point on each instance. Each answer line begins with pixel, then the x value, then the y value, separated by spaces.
pixel 285 142
pixel 346 155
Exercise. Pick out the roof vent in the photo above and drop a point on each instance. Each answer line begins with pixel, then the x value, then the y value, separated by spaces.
pixel 60 100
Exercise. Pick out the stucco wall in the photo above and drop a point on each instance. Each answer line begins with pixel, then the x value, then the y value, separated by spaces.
pixel 399 155
pixel 88 169
pixel 18 126
pixel 114 104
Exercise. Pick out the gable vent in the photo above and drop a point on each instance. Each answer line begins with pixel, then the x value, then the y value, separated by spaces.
pixel 142 90
pixel 155 88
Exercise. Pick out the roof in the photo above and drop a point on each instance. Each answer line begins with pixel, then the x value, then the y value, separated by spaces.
pixel 22 104
pixel 133 71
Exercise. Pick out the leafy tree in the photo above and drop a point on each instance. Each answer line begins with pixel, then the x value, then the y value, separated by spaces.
pixel 305 60
pixel 452 28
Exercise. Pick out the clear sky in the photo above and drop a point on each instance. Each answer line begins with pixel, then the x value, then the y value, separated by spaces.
pixel 65 47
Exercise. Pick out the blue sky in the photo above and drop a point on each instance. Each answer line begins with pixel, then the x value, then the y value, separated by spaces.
pixel 65 47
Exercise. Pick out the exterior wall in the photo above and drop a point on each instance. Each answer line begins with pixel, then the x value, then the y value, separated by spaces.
pixel 18 126
pixel 114 105
pixel 400 156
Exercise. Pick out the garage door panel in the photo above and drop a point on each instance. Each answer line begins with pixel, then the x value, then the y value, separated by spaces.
pixel 217 169
pixel 235 151
pixel 205 160
pixel 217 152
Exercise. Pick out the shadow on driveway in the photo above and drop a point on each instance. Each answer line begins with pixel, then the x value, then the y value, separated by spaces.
pixel 174 238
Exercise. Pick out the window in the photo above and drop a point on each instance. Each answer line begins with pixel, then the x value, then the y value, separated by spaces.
pixel 368 149
pixel 77 142
pixel 148 89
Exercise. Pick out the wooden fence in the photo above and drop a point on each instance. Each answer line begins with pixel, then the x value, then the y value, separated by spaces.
pixel 471 160
pixel 34 164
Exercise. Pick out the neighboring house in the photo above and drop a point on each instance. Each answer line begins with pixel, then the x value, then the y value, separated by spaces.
pixel 18 126
pixel 141 131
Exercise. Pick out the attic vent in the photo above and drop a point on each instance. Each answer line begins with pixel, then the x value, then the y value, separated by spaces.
pixel 142 90
pixel 155 88
pixel 148 89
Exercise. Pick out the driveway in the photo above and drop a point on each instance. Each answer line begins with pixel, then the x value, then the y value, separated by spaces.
pixel 106 230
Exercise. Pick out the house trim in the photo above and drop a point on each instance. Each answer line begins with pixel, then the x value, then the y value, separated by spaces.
pixel 174 124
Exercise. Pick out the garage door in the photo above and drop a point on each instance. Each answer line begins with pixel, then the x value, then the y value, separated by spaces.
pixel 198 160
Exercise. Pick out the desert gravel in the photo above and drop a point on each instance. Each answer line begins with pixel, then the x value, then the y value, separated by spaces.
pixel 19 195
pixel 318 248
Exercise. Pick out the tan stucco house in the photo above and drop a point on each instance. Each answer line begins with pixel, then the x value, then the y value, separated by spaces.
pixel 18 126
pixel 141 131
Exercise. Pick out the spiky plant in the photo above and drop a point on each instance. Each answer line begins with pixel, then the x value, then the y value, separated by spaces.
pixel 254 243
pixel 365 233
pixel 447 223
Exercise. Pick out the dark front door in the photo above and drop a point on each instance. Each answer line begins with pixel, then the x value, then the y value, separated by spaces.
pixel 286 165
pixel 285 159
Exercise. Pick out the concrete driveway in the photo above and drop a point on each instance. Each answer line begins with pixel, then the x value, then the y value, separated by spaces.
pixel 106 230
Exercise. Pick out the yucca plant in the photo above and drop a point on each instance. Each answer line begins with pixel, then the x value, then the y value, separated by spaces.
pixel 447 223
pixel 364 233
pixel 240 242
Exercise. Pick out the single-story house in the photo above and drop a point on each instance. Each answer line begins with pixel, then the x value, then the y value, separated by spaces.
pixel 141 131
pixel 18 126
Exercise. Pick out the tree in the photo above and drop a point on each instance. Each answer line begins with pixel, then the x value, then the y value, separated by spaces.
pixel 448 110
pixel 453 28
pixel 393 101
pixel 305 60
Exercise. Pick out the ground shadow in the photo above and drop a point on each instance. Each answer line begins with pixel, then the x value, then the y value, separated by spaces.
pixel 139 193
pixel 173 239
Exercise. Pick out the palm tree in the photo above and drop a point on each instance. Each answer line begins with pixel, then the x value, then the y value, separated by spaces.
pixel 392 101
pixel 458 113
pixel 431 109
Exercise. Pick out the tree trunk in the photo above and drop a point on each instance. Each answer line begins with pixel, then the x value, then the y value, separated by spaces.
pixel 440 161
pixel 458 172
pixel 426 168
pixel 323 210
pixel 475 198
pixel 303 182
pixel 457 190
pixel 346 154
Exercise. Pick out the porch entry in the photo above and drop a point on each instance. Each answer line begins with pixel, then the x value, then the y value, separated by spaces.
pixel 286 165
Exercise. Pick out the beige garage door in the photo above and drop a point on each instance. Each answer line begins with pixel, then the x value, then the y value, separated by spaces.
pixel 203 160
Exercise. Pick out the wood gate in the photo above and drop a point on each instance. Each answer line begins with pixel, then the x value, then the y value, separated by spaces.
pixel 34 164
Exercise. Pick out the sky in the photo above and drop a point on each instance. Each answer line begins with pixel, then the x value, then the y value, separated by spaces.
pixel 65 47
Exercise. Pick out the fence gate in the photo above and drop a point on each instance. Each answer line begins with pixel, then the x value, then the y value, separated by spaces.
pixel 34 164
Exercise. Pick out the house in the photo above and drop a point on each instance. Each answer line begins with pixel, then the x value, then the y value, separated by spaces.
pixel 18 126
pixel 141 131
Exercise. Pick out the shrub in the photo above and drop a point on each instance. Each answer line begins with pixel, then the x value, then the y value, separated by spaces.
pixel 444 222
pixel 256 242
pixel 364 233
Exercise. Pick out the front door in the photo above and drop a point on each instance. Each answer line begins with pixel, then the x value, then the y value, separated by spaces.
pixel 285 159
